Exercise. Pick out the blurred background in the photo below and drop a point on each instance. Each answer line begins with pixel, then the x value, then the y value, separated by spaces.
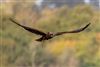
pixel 18 47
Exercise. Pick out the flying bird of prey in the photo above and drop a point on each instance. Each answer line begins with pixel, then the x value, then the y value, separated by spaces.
pixel 48 35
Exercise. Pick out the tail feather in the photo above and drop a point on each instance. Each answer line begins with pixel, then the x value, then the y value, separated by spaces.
pixel 40 39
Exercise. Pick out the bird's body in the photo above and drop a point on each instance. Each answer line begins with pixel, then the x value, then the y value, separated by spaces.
pixel 49 35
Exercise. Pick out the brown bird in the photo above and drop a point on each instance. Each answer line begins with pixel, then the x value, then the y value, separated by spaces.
pixel 49 35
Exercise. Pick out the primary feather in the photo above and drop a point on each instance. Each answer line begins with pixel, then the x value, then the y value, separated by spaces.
pixel 73 31
pixel 29 29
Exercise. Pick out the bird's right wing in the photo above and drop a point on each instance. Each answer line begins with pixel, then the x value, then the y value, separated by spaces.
pixel 73 31
pixel 28 28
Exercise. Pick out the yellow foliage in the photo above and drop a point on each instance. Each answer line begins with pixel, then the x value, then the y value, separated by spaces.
pixel 6 8
pixel 98 37
pixel 98 53
pixel 58 47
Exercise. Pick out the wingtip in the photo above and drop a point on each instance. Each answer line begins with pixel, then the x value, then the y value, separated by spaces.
pixel 89 24
pixel 86 26
pixel 14 21
pixel 11 19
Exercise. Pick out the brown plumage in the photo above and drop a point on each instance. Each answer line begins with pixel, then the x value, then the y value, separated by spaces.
pixel 49 35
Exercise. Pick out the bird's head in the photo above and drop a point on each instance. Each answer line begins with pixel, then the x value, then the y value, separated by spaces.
pixel 50 33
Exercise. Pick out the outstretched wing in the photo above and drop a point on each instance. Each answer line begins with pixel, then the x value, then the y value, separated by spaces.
pixel 74 31
pixel 28 28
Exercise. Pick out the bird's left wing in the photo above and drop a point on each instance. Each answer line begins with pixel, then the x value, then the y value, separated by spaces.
pixel 35 31
pixel 73 31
